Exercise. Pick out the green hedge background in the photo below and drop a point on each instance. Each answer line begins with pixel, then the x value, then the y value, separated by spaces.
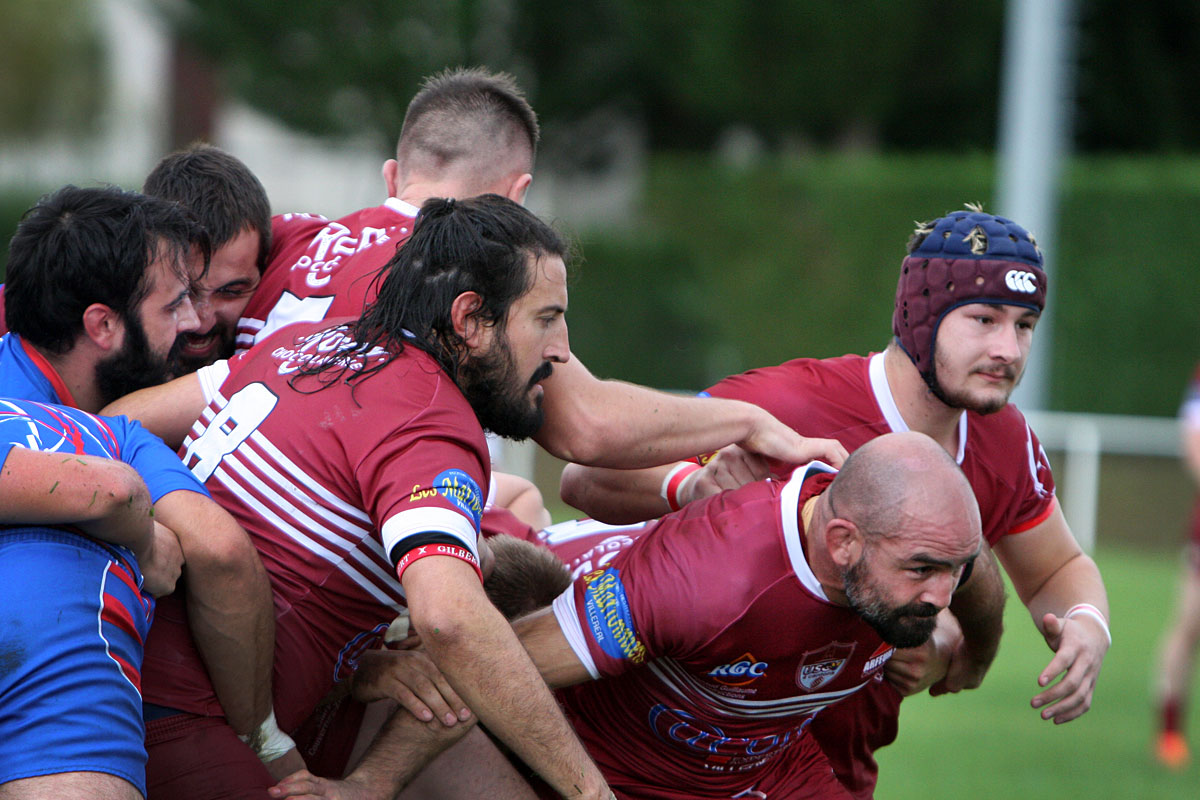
pixel 721 270
pixel 725 270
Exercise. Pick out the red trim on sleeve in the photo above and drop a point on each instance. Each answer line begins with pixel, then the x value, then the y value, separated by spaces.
pixel 1038 520
pixel 425 550
pixel 680 474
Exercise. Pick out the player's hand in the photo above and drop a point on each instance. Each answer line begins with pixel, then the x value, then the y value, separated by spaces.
pixel 303 785
pixel 1079 644
pixel 776 441
pixel 731 467
pixel 915 669
pixel 411 679
pixel 161 562
pixel 966 670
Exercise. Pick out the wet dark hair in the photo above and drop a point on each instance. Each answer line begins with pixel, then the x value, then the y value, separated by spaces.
pixel 482 245
pixel 220 190
pixel 79 246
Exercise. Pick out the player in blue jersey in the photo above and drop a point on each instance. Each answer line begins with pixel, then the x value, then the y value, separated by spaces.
pixel 97 293
pixel 74 610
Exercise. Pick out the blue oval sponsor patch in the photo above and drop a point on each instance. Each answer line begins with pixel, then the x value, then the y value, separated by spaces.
pixel 458 487
pixel 609 617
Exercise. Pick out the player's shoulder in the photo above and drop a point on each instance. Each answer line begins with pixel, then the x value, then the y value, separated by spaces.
pixel 1007 423
pixel 799 380
pixel 286 228
pixel 1004 437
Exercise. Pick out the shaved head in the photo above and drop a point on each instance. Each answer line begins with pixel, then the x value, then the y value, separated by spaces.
pixel 468 125
pixel 905 525
pixel 899 480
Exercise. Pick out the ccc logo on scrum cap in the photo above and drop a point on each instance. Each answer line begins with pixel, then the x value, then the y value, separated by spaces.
pixel 1021 281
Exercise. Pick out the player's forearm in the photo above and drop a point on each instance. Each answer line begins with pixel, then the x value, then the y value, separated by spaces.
pixel 615 496
pixel 615 424
pixel 1077 581
pixel 103 497
pixel 402 749
pixel 231 613
pixel 168 411
pixel 482 659
pixel 230 606
pixel 979 608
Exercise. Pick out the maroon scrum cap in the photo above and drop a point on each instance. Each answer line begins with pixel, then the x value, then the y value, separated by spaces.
pixel 963 257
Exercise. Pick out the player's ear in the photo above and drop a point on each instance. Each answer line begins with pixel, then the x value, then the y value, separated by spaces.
pixel 391 177
pixel 103 326
pixel 519 187
pixel 845 542
pixel 464 317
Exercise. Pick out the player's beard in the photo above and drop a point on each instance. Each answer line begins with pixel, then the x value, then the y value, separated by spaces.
pixel 499 396
pixel 900 626
pixel 964 399
pixel 134 367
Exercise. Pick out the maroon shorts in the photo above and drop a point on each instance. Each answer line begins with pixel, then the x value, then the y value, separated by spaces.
pixel 201 758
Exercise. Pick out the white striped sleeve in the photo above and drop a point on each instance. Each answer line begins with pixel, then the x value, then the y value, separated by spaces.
pixel 429 519
pixel 568 621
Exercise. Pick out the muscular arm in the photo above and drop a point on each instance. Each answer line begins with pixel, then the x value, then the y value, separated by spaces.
pixel 1051 574
pixel 484 662
pixel 543 639
pixel 167 411
pixel 521 497
pixel 615 424
pixel 102 497
pixel 624 496
pixel 230 608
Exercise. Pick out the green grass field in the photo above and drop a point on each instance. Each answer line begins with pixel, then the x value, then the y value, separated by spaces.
pixel 990 744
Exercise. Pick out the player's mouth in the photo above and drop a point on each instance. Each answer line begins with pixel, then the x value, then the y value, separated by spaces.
pixel 199 344
pixel 998 374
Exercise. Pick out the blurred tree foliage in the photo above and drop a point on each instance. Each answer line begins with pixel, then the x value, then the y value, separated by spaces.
pixel 869 70
pixel 348 68
pixel 54 46
pixel 857 73
pixel 1139 81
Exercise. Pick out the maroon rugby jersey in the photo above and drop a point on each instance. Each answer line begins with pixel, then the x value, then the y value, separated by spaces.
pixel 848 399
pixel 333 486
pixel 319 268
pixel 718 645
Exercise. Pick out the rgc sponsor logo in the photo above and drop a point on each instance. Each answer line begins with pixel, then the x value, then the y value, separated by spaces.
pixel 746 669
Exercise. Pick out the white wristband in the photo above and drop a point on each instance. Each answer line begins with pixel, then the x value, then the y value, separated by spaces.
pixel 1090 610
pixel 268 742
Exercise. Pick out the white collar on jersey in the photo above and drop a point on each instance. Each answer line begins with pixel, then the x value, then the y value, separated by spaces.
pixel 789 510
pixel 401 206
pixel 891 412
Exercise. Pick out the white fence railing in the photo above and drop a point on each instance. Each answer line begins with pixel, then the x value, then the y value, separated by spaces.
pixel 1083 439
